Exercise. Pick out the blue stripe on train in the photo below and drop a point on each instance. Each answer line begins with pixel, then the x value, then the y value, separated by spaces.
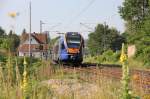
pixel 64 55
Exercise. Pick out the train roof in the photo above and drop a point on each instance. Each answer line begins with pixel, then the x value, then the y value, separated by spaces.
pixel 70 33
pixel 62 37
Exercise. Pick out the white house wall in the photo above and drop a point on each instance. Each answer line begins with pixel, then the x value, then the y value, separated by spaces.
pixel 34 54
pixel 33 41
pixel 21 54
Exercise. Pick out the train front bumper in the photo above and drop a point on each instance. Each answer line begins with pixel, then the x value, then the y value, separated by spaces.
pixel 72 57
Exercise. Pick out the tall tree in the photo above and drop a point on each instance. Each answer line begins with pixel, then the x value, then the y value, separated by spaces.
pixel 103 39
pixel 2 32
pixel 15 41
pixel 134 13
pixel 10 33
pixel 24 31
pixel 24 36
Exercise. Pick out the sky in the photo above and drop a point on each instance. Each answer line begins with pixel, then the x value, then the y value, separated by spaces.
pixel 61 15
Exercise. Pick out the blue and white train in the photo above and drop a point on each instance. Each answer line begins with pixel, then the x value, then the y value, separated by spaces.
pixel 69 48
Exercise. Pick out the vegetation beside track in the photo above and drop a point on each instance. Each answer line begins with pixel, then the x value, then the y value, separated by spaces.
pixel 110 57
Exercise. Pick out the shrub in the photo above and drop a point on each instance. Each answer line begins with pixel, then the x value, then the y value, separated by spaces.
pixel 143 54
pixel 110 56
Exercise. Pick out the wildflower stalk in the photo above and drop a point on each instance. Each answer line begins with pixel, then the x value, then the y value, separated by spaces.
pixel 17 74
pixel 10 70
pixel 24 84
pixel 125 74
pixel 1 77
pixel 3 85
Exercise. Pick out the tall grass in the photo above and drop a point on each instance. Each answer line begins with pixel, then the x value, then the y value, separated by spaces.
pixel 72 85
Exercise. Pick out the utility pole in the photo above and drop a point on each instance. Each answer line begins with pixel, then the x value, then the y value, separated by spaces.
pixel 30 30
pixel 104 37
pixel 40 26
pixel 41 23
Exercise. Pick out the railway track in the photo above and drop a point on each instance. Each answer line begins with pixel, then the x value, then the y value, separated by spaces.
pixel 139 78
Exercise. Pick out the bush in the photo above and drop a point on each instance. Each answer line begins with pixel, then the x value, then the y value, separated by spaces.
pixel 143 54
pixel 107 57
pixel 32 64
pixel 110 56
pixel 2 58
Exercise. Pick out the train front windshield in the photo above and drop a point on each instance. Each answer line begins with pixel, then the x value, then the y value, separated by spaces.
pixel 73 41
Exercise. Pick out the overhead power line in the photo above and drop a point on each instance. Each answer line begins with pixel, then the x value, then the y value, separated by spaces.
pixel 81 12
pixel 83 24
pixel 85 9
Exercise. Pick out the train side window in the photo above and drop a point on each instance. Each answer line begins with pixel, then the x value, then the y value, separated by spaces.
pixel 62 46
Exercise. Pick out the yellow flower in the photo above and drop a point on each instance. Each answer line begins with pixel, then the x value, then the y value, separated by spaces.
pixel 13 14
pixel 123 56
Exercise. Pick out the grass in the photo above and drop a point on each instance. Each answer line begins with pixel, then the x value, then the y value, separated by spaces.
pixel 96 59
pixel 133 63
pixel 43 71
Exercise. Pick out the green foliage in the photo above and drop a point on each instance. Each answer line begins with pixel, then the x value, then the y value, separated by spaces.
pixel 31 68
pixel 24 36
pixel 134 10
pixel 103 39
pixel 142 41
pixel 9 42
pixel 143 54
pixel 2 58
pixel 136 13
pixel 14 41
pixel 2 32
pixel 107 57
pixel 110 56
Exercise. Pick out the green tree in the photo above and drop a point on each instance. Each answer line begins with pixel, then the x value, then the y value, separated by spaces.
pixel 2 38
pixel 10 41
pixel 134 13
pixel 24 31
pixel 14 41
pixel 24 36
pixel 103 39
pixel 2 32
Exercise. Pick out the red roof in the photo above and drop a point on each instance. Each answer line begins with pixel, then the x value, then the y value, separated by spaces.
pixel 41 38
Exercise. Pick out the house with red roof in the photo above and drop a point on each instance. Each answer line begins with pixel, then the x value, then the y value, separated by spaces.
pixel 38 46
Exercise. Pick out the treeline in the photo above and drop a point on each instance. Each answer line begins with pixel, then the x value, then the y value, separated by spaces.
pixel 9 41
pixel 104 38
pixel 136 14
